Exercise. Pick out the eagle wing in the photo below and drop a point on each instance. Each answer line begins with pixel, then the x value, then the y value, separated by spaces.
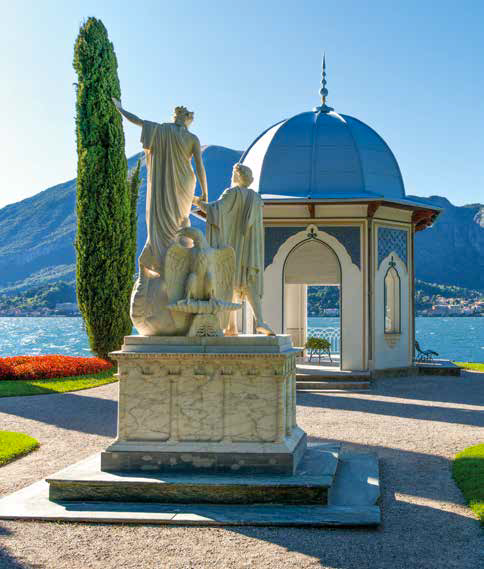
pixel 177 267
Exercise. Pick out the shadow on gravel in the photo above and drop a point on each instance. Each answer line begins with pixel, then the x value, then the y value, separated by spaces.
pixel 405 410
pixel 422 535
pixel 9 562
pixel 70 411
pixel 6 560
pixel 410 473
pixel 468 389
pixel 411 537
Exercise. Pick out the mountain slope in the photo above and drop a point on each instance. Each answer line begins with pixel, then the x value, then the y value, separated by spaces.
pixel 37 234
pixel 452 251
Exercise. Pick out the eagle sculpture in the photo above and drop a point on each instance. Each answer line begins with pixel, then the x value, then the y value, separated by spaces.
pixel 200 281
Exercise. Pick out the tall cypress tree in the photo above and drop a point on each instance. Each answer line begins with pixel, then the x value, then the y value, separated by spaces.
pixel 134 186
pixel 104 244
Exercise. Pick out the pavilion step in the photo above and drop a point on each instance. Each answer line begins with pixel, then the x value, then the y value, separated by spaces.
pixel 332 376
pixel 322 385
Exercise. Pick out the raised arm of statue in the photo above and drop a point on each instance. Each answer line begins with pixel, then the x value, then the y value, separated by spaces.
pixel 132 118
pixel 202 177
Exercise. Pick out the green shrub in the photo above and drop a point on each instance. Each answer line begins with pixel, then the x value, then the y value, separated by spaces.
pixel 316 344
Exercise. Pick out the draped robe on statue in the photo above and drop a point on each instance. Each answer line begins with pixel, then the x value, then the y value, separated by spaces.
pixel 235 220
pixel 170 190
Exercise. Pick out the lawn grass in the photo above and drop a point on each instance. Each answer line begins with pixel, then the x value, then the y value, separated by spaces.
pixel 468 473
pixel 13 445
pixel 471 365
pixel 14 388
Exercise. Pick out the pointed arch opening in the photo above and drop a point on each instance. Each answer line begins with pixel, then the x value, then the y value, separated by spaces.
pixel 313 266
pixel 392 310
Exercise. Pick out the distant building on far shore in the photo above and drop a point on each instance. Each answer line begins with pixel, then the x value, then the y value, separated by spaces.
pixel 67 307
pixel 331 312
pixel 447 309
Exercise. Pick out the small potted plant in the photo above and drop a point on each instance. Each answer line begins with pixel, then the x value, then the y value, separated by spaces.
pixel 318 345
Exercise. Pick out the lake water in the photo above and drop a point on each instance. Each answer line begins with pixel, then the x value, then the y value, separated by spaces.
pixel 459 339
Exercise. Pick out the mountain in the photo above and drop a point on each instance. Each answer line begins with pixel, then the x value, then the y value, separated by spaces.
pixel 451 252
pixel 37 234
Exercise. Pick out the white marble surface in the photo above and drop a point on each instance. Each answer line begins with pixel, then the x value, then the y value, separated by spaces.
pixel 144 405
pixel 218 398
pixel 242 344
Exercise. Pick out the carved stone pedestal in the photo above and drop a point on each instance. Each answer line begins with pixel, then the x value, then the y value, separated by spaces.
pixel 207 405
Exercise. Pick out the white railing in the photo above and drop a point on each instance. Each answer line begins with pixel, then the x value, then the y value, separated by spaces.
pixel 333 335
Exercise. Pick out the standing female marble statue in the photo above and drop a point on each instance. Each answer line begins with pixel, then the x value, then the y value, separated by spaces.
pixel 235 220
pixel 169 148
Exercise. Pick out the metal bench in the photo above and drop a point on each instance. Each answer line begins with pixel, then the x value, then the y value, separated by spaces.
pixel 424 355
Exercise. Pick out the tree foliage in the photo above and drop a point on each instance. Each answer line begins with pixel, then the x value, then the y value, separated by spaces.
pixel 104 246
pixel 134 186
pixel 42 296
pixel 321 297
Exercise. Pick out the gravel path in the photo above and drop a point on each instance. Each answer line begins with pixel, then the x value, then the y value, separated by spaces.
pixel 416 425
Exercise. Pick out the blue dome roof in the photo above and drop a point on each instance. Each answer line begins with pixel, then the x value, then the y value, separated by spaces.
pixel 323 155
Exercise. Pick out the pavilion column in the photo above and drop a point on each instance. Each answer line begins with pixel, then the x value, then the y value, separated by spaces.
pixel 372 208
pixel 412 292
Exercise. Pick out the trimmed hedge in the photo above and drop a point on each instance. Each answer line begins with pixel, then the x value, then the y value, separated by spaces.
pixel 50 366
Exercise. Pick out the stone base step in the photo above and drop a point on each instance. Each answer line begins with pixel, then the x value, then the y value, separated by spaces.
pixel 332 377
pixel 324 385
pixel 86 482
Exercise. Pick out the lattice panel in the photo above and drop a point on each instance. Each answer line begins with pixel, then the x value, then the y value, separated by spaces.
pixel 349 237
pixel 392 240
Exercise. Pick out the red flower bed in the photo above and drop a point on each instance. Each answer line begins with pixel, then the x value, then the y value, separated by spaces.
pixel 45 367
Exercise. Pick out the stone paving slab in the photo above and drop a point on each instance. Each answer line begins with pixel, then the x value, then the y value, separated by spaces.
pixel 357 482
pixel 32 503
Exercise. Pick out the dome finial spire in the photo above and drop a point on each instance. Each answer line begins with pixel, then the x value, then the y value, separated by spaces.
pixel 323 91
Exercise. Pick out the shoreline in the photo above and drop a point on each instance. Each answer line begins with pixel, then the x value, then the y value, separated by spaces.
pixel 479 315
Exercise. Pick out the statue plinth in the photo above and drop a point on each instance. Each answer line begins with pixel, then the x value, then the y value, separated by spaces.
pixel 207 405
pixel 205 321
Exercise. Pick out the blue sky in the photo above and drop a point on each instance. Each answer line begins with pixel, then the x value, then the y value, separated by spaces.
pixel 412 70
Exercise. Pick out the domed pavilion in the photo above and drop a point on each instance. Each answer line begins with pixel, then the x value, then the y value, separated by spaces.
pixel 336 213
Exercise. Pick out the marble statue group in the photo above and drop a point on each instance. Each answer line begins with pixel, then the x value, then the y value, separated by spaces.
pixel 189 284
